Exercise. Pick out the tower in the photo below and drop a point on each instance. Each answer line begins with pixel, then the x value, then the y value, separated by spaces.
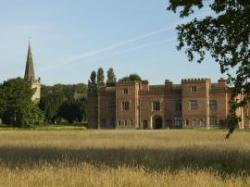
pixel 29 76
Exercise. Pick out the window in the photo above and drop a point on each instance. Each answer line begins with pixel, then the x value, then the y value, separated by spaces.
pixel 125 106
pixel 193 104
pixel 194 89
pixel 178 106
pixel 213 120
pixel 213 105
pixel 125 91
pixel 156 106
pixel 177 122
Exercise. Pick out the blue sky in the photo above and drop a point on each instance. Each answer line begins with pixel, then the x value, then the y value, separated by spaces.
pixel 72 38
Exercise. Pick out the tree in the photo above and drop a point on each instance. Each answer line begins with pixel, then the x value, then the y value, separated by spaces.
pixel 225 35
pixel 30 115
pixel 93 77
pixel 100 76
pixel 50 104
pixel 111 79
pixel 72 111
pixel 92 85
pixel 132 77
pixel 2 101
pixel 67 91
pixel 17 109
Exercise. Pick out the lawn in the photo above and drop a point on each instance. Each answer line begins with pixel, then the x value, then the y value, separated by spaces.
pixel 124 158
pixel 47 127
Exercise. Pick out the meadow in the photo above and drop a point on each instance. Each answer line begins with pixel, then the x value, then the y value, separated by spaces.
pixel 124 158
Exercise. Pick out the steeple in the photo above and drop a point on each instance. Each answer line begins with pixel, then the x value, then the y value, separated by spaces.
pixel 29 70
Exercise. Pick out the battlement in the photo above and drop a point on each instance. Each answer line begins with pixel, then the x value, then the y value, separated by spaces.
pixel 195 80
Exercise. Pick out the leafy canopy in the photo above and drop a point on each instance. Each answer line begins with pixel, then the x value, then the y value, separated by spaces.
pixel 50 104
pixel 132 77
pixel 111 78
pixel 16 107
pixel 72 111
pixel 224 35
pixel 100 76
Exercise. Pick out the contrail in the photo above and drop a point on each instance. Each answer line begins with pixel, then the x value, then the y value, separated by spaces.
pixel 126 42
pixel 131 40
pixel 142 46
pixel 112 47
pixel 119 44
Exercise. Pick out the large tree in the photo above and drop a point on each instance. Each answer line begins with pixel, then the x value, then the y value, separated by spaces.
pixel 100 76
pixel 50 104
pixel 72 111
pixel 225 35
pixel 16 107
pixel 93 77
pixel 111 78
pixel 92 85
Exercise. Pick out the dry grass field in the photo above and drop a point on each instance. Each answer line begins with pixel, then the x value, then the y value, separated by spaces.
pixel 124 158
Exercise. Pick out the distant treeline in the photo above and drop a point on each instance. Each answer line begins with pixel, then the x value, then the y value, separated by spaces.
pixel 58 104
pixel 64 103
pixel 69 91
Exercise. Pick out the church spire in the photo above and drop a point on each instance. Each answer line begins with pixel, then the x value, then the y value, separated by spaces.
pixel 29 70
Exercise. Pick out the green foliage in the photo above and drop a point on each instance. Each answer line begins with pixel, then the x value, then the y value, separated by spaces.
pixel 2 101
pixel 54 96
pixel 67 91
pixel 92 85
pixel 93 77
pixel 111 78
pixel 100 76
pixel 225 34
pixel 50 104
pixel 72 111
pixel 30 116
pixel 132 77
pixel 17 109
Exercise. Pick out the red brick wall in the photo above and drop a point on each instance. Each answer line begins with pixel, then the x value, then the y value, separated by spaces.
pixel 199 116
pixel 130 116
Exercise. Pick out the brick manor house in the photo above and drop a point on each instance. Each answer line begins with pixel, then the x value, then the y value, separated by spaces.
pixel 195 103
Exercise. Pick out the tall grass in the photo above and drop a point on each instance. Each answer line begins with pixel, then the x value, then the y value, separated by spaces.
pixel 124 158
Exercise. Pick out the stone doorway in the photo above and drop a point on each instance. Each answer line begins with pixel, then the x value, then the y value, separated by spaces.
pixel 157 122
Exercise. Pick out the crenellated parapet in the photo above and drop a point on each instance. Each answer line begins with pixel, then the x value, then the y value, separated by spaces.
pixel 195 80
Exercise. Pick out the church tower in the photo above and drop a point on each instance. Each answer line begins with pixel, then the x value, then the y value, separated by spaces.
pixel 30 76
